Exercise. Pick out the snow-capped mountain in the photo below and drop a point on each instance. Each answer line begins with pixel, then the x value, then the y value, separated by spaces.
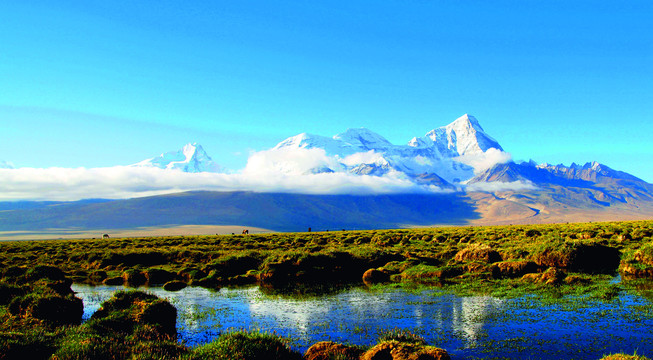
pixel 191 158
pixel 464 136
pixel 435 155
pixel 6 165
pixel 482 186
pixel 350 142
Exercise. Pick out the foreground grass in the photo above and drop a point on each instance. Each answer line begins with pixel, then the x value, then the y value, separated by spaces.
pixel 41 317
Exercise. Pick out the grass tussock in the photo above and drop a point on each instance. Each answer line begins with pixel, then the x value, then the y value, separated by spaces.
pixel 494 259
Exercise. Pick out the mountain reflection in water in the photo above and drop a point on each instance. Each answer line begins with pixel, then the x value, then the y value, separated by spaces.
pixel 467 327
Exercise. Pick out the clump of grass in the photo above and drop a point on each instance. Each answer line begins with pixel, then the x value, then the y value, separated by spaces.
pixel 403 336
pixel 286 259
pixel 130 325
pixel 241 345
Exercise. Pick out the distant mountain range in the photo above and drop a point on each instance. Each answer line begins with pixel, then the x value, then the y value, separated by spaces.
pixel 473 181
pixel 437 158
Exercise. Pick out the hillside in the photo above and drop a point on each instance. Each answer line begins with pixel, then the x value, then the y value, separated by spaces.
pixel 280 212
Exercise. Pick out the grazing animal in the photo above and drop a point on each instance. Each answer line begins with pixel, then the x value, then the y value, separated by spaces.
pixel 105 236
pixel 245 231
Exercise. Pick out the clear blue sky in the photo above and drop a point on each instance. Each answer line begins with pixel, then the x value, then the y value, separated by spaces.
pixel 101 83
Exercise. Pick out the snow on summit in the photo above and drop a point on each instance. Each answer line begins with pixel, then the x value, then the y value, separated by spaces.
pixel 191 158
pixel 349 142
pixel 364 139
pixel 462 137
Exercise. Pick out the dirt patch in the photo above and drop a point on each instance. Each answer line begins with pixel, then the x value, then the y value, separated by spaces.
pixel 327 350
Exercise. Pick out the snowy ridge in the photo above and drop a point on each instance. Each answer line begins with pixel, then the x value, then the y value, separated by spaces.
pixel 350 142
pixel 191 158
pixel 6 165
pixel 436 155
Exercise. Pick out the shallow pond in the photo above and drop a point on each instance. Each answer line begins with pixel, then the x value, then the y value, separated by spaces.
pixel 467 327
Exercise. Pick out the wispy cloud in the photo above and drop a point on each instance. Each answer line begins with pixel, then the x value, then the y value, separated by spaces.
pixel 274 170
pixel 483 161
pixel 288 161
pixel 128 182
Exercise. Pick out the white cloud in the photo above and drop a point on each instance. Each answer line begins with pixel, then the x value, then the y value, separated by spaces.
pixel 501 186
pixel 368 157
pixel 128 182
pixel 275 170
pixel 483 161
pixel 288 161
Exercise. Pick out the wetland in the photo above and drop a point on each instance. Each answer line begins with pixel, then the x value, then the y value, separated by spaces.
pixel 532 291
pixel 466 326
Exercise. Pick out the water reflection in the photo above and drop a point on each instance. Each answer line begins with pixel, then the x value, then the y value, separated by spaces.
pixel 465 326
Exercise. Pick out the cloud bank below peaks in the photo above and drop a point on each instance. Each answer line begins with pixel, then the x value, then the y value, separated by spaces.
pixel 355 162
pixel 120 182
pixel 307 171
pixel 485 160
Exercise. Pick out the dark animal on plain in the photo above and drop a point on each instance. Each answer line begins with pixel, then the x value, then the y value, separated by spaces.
pixel 105 236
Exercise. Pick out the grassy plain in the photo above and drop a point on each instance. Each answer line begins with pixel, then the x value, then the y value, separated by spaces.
pixel 76 234
pixel 506 261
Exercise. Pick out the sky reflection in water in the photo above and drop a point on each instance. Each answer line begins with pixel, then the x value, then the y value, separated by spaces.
pixel 467 327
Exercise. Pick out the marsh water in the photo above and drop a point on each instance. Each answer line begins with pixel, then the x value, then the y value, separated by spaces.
pixel 467 327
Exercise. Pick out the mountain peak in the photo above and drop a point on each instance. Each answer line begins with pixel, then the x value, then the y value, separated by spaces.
pixel 190 158
pixel 464 136
pixel 6 165
pixel 297 141
pixel 363 138
pixel 191 148
pixel 467 121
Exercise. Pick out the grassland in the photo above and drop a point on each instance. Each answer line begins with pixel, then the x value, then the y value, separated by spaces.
pixel 506 261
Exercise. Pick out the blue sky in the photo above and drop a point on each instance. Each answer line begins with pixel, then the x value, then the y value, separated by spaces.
pixel 93 84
